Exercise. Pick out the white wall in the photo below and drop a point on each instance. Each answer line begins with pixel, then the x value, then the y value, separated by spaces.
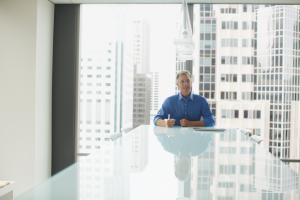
pixel 25 91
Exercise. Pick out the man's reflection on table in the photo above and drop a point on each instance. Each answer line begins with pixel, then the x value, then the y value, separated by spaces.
pixel 183 143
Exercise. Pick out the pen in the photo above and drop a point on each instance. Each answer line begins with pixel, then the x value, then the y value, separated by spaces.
pixel 168 116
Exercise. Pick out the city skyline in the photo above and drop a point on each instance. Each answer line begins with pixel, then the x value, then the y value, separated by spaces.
pixel 226 72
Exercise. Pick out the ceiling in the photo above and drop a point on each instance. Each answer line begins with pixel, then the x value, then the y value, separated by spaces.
pixel 174 1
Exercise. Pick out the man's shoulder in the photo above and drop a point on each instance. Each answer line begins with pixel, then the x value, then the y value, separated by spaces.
pixel 173 97
pixel 199 97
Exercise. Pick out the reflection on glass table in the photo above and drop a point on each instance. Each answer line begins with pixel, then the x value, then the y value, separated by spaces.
pixel 140 165
pixel 184 144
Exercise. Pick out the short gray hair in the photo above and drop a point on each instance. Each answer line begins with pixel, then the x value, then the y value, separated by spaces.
pixel 183 72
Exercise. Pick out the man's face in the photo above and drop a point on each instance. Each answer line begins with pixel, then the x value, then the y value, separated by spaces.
pixel 184 84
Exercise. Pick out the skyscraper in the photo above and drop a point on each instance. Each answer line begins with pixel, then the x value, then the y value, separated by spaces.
pixel 106 74
pixel 247 66
pixel 141 46
pixel 141 102
pixel 224 70
pixel 276 72
pixel 154 101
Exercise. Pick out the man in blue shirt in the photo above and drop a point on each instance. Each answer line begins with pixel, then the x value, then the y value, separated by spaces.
pixel 185 108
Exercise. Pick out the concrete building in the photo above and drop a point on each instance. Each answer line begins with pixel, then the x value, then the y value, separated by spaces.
pixel 247 67
pixel 141 46
pixel 107 73
pixel 141 101
pixel 276 73
pixel 154 100
pixel 242 69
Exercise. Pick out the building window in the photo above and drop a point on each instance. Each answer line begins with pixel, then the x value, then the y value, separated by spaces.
pixel 245 8
pixel 245 114
pixel 243 77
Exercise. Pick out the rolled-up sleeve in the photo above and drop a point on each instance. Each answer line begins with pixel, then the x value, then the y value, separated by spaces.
pixel 208 117
pixel 163 112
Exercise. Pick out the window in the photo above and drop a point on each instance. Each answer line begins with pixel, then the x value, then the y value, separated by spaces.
pixel 222 77
pixel 223 60
pixel 223 43
pixel 235 25
pixel 244 60
pixel 243 77
pixel 245 25
pixel 235 60
pixel 236 114
pixel 223 25
pixel 207 78
pixel 258 114
pixel 245 113
pixel 234 77
pixel 245 8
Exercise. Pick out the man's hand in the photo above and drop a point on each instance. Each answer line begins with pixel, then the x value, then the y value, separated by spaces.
pixel 185 123
pixel 169 123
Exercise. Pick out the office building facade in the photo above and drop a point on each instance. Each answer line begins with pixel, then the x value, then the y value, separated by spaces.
pixel 141 48
pixel 247 64
pixel 106 75
pixel 141 100
pixel 238 56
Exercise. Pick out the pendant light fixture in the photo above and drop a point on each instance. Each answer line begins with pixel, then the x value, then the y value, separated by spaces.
pixel 184 39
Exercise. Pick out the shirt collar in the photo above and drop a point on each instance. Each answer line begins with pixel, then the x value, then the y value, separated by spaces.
pixel 180 97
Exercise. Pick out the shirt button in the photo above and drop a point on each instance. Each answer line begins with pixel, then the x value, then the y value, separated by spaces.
pixel 185 113
pixel 184 104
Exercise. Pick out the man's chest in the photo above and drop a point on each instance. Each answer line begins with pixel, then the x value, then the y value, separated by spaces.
pixel 185 110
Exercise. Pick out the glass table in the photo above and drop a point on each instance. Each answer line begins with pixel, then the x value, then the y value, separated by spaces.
pixel 171 163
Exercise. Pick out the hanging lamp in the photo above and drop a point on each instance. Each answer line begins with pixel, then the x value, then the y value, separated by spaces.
pixel 184 39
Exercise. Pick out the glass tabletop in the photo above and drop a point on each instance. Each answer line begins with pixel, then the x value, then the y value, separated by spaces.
pixel 170 163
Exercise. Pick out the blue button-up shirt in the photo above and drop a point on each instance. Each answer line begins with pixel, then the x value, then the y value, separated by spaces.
pixel 192 108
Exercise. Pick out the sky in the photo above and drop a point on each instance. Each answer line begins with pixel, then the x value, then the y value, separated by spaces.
pixel 162 19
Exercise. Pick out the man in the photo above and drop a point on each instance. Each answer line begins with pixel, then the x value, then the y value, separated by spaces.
pixel 185 108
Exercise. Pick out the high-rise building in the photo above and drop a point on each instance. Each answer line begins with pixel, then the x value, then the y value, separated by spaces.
pixel 141 46
pixel 106 75
pixel 248 69
pixel 239 60
pixel 141 100
pixel 154 102
pixel 276 73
